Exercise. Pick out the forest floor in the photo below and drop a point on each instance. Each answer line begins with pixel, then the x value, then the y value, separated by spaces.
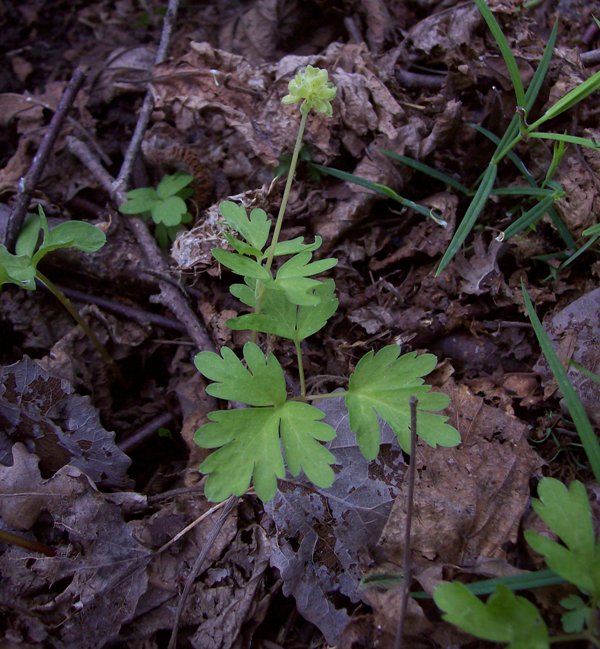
pixel 98 468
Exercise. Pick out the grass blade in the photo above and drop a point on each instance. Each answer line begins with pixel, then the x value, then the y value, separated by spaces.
pixel 426 169
pixel 562 137
pixel 529 581
pixel 474 210
pixel 579 93
pixel 579 251
pixel 507 55
pixel 384 190
pixel 523 191
pixel 578 413
pixel 528 218
pixel 541 71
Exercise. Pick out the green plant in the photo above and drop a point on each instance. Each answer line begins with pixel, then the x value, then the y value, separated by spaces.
pixel 165 205
pixel 512 619
pixel 256 443
pixel 22 269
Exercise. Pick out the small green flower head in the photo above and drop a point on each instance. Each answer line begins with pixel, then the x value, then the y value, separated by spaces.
pixel 312 88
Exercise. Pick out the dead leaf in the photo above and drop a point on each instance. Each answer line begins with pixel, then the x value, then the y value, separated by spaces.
pixel 41 409
pixel 335 528
pixel 468 500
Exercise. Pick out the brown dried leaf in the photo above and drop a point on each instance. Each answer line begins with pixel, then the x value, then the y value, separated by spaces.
pixel 39 408
pixel 81 597
pixel 468 500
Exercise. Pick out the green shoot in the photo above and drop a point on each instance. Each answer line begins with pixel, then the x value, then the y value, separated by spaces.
pixel 165 205
pixel 518 131
pixel 287 299
pixel 22 270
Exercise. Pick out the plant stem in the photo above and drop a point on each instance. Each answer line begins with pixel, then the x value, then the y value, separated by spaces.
pixel 68 305
pixel 28 544
pixel 286 191
pixel 327 395
pixel 300 368
pixel 571 637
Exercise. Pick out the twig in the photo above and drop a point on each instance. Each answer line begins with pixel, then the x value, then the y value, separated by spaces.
pixel 28 184
pixel 144 117
pixel 195 571
pixel 417 80
pixel 590 58
pixel 138 315
pixel 147 430
pixel 406 565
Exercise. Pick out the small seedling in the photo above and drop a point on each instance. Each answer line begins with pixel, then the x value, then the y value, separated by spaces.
pixel 22 269
pixel 286 300
pixel 513 619
pixel 165 205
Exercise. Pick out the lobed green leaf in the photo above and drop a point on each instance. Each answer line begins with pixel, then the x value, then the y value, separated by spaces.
pixel 169 211
pixel 568 514
pixel 172 185
pixel 240 264
pixel 255 230
pixel 381 387
pixel 505 617
pixel 139 201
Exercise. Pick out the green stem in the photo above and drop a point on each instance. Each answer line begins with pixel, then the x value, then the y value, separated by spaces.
pixel 300 368
pixel 260 289
pixel 68 305
pixel 286 191
pixel 327 395
pixel 572 637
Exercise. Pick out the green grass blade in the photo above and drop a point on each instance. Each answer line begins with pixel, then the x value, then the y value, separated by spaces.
pixel 375 187
pixel 528 218
pixel 578 252
pixel 426 169
pixel 584 370
pixel 562 137
pixel 541 71
pixel 474 210
pixel 507 55
pixel 512 156
pixel 523 191
pixel 520 165
pixel 578 413
pixel 539 579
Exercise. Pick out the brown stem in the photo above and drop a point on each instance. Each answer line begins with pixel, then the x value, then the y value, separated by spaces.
pixel 406 564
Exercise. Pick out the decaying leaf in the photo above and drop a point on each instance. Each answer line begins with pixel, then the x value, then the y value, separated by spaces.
pixel 41 409
pixel 81 597
pixel 335 527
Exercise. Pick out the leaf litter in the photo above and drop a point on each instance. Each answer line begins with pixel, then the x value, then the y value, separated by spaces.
pixel 218 97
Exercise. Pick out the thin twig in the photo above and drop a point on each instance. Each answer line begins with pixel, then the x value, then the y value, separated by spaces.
pixel 147 430
pixel 144 116
pixel 406 564
pixel 28 184
pixel 590 58
pixel 195 571
pixel 129 312
pixel 419 80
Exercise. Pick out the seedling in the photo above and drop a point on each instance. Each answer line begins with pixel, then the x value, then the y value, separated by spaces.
pixel 22 269
pixel 286 300
pixel 165 205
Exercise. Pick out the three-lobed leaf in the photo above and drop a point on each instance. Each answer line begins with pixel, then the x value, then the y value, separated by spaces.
pixel 255 230
pixel 251 439
pixel 381 387
pixel 172 185
pixel 279 317
pixel 139 200
pixel 567 513
pixel 505 617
